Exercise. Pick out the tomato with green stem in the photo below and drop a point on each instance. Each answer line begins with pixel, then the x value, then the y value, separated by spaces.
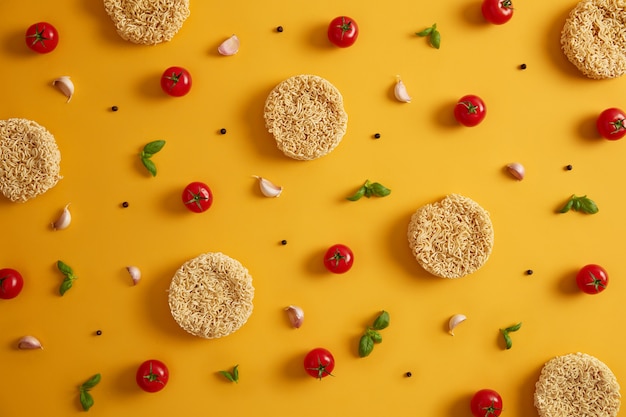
pixel 176 81
pixel 486 403
pixel 11 283
pixel 497 12
pixel 338 259
pixel 42 37
pixel 319 363
pixel 152 375
pixel 197 197
pixel 611 124
pixel 343 31
pixel 592 279
pixel 470 110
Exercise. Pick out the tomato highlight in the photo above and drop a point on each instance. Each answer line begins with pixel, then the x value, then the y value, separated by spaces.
pixel 592 279
pixel 343 31
pixel 470 110
pixel 338 259
pixel 176 81
pixel 197 197
pixel 42 37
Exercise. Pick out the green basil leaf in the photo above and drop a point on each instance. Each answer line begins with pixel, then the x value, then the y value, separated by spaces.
pixel 375 336
pixel 360 193
pixel 153 147
pixel 228 376
pixel 236 373
pixel 64 268
pixel 514 328
pixel 66 285
pixel 86 400
pixel 588 206
pixel 91 382
pixel 382 321
pixel 150 166
pixel 507 339
pixel 576 204
pixel 567 206
pixel 425 32
pixel 366 345
pixel 380 190
pixel 435 39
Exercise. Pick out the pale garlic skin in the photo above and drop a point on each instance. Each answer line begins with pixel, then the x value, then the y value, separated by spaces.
pixel 65 85
pixel 268 188
pixel 229 47
pixel 29 343
pixel 295 315
pixel 454 322
pixel 64 220
pixel 400 92
pixel 516 170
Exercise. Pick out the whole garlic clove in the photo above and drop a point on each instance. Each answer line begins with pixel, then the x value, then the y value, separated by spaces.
pixel 400 91
pixel 229 47
pixel 135 274
pixel 455 321
pixel 29 342
pixel 516 170
pixel 64 220
pixel 64 85
pixel 296 316
pixel 268 188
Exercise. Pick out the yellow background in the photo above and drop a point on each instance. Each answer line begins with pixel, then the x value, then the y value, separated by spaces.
pixel 542 117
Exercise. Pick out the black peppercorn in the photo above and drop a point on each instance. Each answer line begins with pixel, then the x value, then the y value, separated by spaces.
pixel 223 131
pixel 377 136
pixel 408 374
pixel 569 167
pixel 125 204
pixel 99 332
pixel 279 29
pixel 283 242
pixel 114 108
pixel 529 272
pixel 523 66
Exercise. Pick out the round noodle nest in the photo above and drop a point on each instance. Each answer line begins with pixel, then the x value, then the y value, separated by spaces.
pixel 306 116
pixel 147 22
pixel 29 159
pixel 594 38
pixel 577 385
pixel 210 296
pixel 451 238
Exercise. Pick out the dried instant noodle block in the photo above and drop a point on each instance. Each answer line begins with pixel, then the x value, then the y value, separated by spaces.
pixel 594 38
pixel 451 238
pixel 29 159
pixel 210 296
pixel 577 385
pixel 147 22
pixel 306 116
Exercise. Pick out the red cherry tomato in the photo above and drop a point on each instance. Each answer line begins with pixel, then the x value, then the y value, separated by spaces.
pixel 319 363
pixel 343 31
pixel 497 11
pixel 592 279
pixel 152 375
pixel 470 110
pixel 486 403
pixel 176 81
pixel 42 37
pixel 611 124
pixel 197 197
pixel 338 259
pixel 11 283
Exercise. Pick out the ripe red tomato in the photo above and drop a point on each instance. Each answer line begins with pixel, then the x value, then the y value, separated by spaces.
pixel 497 11
pixel 152 375
pixel 11 283
pixel 486 403
pixel 319 363
pixel 338 259
pixel 470 110
pixel 176 81
pixel 42 37
pixel 197 197
pixel 611 124
pixel 343 31
pixel 592 279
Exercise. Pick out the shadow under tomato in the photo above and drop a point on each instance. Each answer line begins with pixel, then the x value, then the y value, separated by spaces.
pixel 566 283
pixel 587 129
pixel 150 87
pixel 14 44
pixel 294 367
pixel 315 263
pixel 461 406
pixel 444 115
pixel 317 36
pixel 472 13
pixel 124 384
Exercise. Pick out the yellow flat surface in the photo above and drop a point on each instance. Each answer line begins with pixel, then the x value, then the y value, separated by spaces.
pixel 542 117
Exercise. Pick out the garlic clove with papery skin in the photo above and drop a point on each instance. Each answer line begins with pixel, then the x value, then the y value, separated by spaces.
pixel 64 220
pixel 135 274
pixel 400 91
pixel 229 47
pixel 28 343
pixel 516 170
pixel 268 188
pixel 64 85
pixel 296 316
pixel 455 321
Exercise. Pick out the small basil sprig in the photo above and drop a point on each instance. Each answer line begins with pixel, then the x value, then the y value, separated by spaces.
pixel 372 335
pixel 369 189
pixel 505 333
pixel 434 37
pixel 86 400
pixel 232 376
pixel 148 151
pixel 582 204
pixel 68 273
